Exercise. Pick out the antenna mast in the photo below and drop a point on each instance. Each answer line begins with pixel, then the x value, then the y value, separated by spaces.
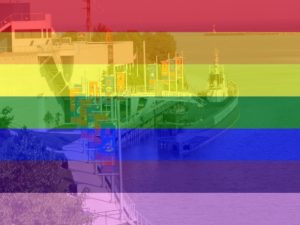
pixel 88 15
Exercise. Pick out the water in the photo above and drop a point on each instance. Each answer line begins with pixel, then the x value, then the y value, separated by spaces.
pixel 257 72
pixel 220 209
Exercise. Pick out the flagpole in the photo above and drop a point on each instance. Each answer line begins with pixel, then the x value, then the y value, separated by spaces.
pixel 156 82
pixel 126 77
pixel 169 73
pixel 182 77
pixel 145 75
pixel 120 159
pixel 137 71
pixel 176 74
pixel 115 76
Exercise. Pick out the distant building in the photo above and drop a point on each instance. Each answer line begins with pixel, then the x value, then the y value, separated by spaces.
pixel 22 30
pixel 29 38
pixel 7 9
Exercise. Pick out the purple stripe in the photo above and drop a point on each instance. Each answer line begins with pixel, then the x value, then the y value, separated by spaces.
pixel 154 177
pixel 220 209
pixel 212 176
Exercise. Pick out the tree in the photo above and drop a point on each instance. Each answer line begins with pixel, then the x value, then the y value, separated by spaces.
pixel 30 169
pixel 48 118
pixel 159 44
pixel 75 36
pixel 26 165
pixel 43 209
pixel 100 32
pixel 5 117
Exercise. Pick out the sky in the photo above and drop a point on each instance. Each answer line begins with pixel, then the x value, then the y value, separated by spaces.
pixel 175 15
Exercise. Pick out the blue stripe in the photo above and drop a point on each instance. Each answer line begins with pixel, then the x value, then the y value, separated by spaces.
pixel 156 144
pixel 233 160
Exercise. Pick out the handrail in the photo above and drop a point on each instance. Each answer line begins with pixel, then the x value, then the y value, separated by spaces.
pixel 56 44
pixel 129 206
pixel 22 17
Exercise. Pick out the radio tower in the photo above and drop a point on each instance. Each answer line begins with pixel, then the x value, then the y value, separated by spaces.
pixel 88 15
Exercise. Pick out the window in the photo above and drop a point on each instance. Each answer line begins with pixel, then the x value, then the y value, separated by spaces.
pixel 45 33
pixel 23 34
pixel 49 33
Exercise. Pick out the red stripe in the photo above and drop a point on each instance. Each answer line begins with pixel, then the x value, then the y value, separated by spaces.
pixel 175 15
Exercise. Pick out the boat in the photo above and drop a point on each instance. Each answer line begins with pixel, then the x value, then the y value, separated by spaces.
pixel 29 38
pixel 98 93
pixel 190 123
pixel 96 100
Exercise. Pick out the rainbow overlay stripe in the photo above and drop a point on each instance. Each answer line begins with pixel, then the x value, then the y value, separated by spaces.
pixel 197 111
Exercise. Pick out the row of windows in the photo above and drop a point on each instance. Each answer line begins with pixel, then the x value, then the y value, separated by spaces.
pixel 31 34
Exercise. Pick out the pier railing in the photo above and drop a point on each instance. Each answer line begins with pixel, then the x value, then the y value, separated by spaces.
pixel 134 215
pixel 127 205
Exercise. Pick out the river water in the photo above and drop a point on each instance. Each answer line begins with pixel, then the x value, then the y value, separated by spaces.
pixel 256 73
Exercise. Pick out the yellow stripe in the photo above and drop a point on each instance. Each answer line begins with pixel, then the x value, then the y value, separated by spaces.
pixel 251 79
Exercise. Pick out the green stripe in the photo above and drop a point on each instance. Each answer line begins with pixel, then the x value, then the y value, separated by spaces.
pixel 251 112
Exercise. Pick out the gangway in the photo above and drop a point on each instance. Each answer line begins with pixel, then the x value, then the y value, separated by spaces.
pixel 102 192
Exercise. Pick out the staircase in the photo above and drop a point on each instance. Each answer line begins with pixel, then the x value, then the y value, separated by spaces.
pixel 49 68
pixel 5 23
pixel 99 199
pixel 110 207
